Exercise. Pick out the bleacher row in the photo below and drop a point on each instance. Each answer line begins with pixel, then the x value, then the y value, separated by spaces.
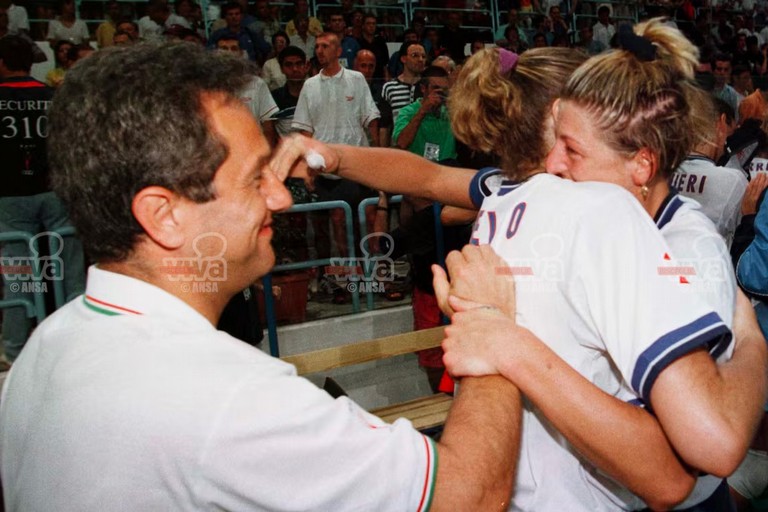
pixel 485 16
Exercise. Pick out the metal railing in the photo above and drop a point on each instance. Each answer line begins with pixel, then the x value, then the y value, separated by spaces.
pixel 269 304
pixel 35 308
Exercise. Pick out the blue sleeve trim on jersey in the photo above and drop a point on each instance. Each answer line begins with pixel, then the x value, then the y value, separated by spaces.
pixel 478 190
pixel 709 331
pixel 718 346
pixel 668 210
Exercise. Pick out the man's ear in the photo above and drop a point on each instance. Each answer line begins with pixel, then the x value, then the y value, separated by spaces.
pixel 646 166
pixel 556 107
pixel 158 211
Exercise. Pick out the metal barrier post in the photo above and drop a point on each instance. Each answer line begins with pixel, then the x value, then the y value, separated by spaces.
pixel 267 281
pixel 363 233
pixel 439 238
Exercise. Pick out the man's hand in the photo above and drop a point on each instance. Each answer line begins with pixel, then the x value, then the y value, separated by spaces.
pixel 752 195
pixel 478 275
pixel 432 102
pixel 298 156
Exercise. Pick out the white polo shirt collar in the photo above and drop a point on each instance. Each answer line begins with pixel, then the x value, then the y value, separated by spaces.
pixel 109 293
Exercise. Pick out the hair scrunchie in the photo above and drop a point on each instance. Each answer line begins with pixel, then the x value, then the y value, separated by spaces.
pixel 639 46
pixel 507 60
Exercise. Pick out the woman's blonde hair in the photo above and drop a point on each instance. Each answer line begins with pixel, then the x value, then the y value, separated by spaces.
pixel 639 103
pixel 704 116
pixel 505 113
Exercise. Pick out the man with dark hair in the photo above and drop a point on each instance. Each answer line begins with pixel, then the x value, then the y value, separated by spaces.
pixel 26 202
pixel 182 11
pixel 266 24
pixel 376 44
pixel 453 37
pixel 293 64
pixel 402 90
pixel 302 38
pixel 129 397
pixel 129 27
pixel 122 38
pixel 604 29
pixel 722 66
pixel 587 41
pixel 301 8
pixel 349 45
pixel 252 43
pixel 742 81
pixel 423 127
pixel 395 64
pixel 153 25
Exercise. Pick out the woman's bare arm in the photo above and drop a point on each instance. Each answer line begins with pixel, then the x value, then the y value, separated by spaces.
pixel 390 170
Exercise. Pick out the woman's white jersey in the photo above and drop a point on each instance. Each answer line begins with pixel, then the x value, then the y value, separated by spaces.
pixel 597 283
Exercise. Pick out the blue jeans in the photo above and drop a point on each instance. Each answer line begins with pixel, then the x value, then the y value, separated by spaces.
pixel 34 214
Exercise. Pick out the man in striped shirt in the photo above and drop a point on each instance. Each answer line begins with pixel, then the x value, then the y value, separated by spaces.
pixel 404 90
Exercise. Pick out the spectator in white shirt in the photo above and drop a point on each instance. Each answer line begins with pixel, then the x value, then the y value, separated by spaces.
pixel 66 27
pixel 18 21
pixel 604 29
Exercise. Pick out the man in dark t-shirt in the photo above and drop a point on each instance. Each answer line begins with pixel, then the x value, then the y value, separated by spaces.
pixel 26 202
pixel 293 64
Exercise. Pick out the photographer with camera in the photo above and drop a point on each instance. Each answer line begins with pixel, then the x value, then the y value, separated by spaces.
pixel 423 127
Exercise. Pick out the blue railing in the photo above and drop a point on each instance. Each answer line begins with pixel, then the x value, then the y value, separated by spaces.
pixel 367 262
pixel 36 307
pixel 269 304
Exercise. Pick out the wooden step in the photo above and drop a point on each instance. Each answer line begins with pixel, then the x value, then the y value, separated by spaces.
pixel 425 412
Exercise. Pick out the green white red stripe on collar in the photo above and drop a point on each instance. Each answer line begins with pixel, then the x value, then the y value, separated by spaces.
pixel 105 308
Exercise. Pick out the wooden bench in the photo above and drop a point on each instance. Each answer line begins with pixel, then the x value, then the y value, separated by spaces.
pixel 425 412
